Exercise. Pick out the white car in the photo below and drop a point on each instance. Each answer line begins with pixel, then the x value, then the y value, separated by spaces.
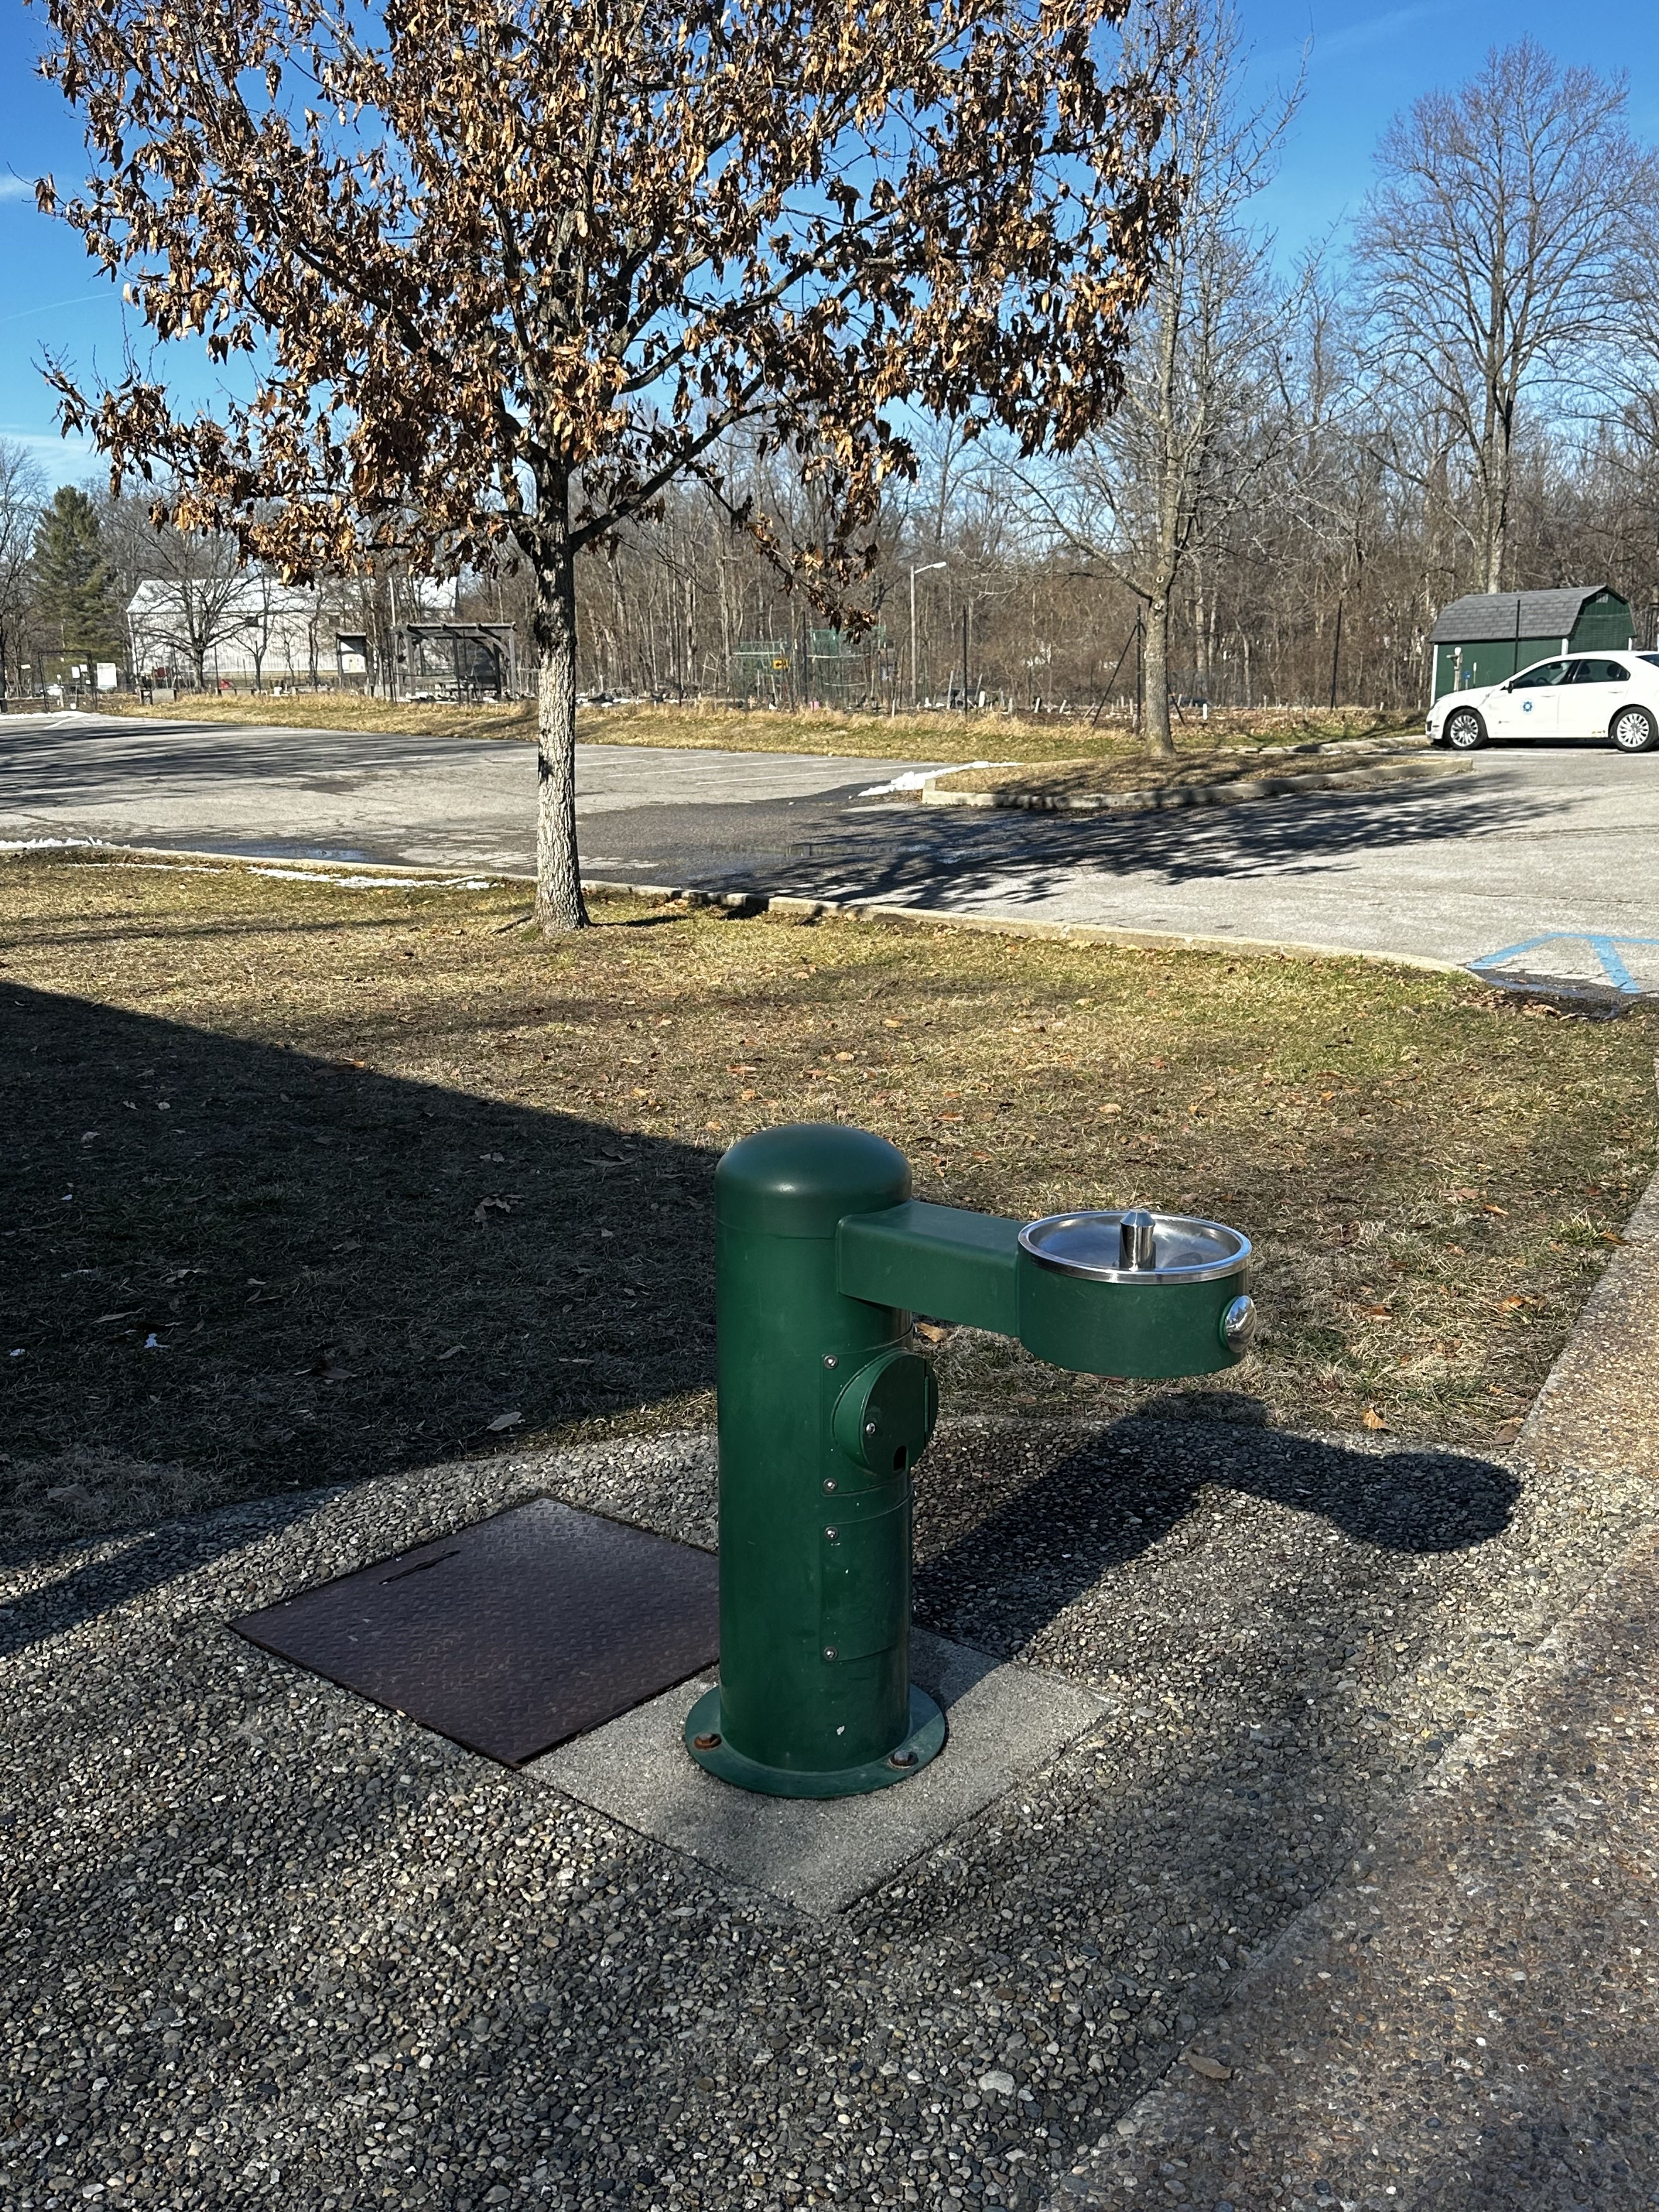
pixel 1580 695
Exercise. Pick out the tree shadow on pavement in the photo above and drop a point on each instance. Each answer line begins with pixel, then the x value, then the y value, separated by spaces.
pixel 817 847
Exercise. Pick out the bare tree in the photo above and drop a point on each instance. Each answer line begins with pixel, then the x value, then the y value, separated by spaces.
pixel 1160 479
pixel 191 591
pixel 1493 248
pixel 22 494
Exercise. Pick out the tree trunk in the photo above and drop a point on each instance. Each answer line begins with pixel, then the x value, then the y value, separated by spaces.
pixel 559 905
pixel 1497 516
pixel 1155 681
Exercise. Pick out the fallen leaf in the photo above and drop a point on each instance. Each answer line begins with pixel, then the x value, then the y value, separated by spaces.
pixel 504 1421
pixel 1607 1237
pixel 930 1331
pixel 1488 1207
pixel 1507 1432
pixel 1375 1313
pixel 486 1207
pixel 1112 1109
pixel 1374 1419
pixel 451 1352
pixel 127 1316
pixel 1211 2069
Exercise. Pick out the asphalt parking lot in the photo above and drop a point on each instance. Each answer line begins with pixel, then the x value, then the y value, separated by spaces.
pixel 1536 860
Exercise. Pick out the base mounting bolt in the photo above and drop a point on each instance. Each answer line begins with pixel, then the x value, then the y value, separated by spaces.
pixel 901 1759
pixel 705 1743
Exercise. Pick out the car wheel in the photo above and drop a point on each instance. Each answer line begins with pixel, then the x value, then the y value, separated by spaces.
pixel 1465 731
pixel 1634 731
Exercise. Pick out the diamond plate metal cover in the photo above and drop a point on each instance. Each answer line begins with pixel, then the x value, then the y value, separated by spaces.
pixel 512 1636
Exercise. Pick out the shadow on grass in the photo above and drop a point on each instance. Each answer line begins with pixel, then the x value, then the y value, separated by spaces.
pixel 234 1270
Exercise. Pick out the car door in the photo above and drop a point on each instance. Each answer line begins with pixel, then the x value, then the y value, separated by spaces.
pixel 1589 699
pixel 1529 705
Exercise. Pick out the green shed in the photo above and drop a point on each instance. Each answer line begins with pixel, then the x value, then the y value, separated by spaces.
pixel 1487 635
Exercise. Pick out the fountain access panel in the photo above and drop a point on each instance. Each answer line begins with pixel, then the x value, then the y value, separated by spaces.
pixel 513 1635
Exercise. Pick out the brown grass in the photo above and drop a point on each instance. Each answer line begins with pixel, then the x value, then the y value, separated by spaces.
pixel 379 1169
pixel 856 735
pixel 336 710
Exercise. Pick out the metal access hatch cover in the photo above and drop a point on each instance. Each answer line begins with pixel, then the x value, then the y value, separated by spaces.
pixel 513 1635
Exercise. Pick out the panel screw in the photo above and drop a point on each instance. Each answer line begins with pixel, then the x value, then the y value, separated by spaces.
pixel 828 1481
pixel 870 1428
pixel 829 1650
pixel 705 1743
pixel 833 1534
pixel 901 1759
pixel 830 1359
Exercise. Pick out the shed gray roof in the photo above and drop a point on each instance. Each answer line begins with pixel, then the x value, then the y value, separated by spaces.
pixel 1482 615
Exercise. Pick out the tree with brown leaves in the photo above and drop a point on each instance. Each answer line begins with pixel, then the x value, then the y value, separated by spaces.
pixel 498 272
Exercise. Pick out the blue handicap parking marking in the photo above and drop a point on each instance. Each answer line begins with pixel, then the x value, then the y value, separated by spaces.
pixel 1609 952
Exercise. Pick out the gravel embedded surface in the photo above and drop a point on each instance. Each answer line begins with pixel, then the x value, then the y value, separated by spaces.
pixel 268 1944
pixel 1466 2022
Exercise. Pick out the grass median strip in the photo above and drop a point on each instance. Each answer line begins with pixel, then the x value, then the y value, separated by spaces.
pixel 307 1180
pixel 854 733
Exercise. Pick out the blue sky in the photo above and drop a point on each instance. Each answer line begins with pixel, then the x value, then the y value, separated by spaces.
pixel 1366 62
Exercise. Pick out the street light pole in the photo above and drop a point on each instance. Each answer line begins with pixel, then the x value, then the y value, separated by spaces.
pixel 926 569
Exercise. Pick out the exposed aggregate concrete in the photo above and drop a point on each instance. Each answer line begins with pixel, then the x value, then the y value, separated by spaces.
pixel 266 1944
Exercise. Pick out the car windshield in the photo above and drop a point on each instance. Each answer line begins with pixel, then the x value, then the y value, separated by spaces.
pixel 1653 657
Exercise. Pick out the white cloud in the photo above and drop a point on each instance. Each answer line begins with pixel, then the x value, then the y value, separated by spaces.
pixel 17 188
pixel 58 456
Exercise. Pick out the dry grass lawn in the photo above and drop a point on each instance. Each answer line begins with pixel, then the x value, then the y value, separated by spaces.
pixel 856 735
pixel 308 1181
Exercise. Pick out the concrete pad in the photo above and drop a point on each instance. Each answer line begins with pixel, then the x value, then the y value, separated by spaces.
pixel 1005 1722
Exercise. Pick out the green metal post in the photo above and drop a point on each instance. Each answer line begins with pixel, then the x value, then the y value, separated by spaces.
pixel 815 1697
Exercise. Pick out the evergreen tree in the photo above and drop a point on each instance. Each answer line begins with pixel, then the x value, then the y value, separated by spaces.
pixel 74 596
